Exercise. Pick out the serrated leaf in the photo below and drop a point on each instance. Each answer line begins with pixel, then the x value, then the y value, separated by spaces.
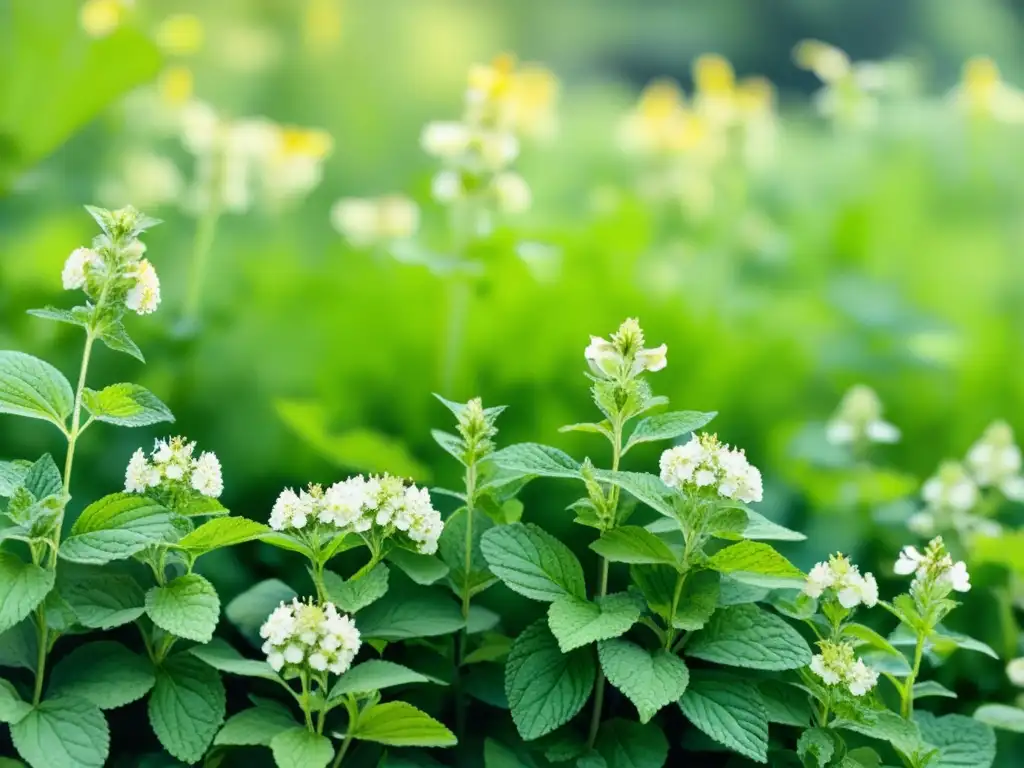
pixel 399 724
pixel 221 532
pixel 187 706
pixel 423 569
pixel 411 611
pixel 756 564
pixel 43 478
pixel 127 405
pixel 12 474
pixel 186 607
pixel 750 637
pixel 250 609
pixel 535 459
pixel 545 688
pixel 963 742
pixel 78 316
pixel 884 726
pixel 644 487
pixel 299 747
pixel 728 710
pixel 224 658
pixel 256 726
pixel 649 679
pixel 33 388
pixel 668 426
pixel 12 708
pixel 452 444
pixel 115 528
pixel 532 562
pixel 625 744
pixel 635 545
pixel 115 337
pixel 452 550
pixel 784 703
pixel 816 744
pixel 66 732
pixel 374 675
pixel 761 528
pixel 589 427
pixel 999 716
pixel 355 594
pixel 102 600
pixel 103 672
pixel 23 586
pixel 575 622
pixel 19 645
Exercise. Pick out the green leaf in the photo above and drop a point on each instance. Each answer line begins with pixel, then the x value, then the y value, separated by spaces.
pixel 18 646
pixel 452 550
pixel 784 703
pixel 256 726
pixel 632 544
pixel 374 675
pixel 942 641
pixel 999 716
pixel 33 388
pixel 115 528
pixel 411 611
pixel 750 637
pixel 104 673
pixel 963 742
pixel 355 594
pixel 399 724
pixel 497 755
pixel 221 532
pixel 816 744
pixel 545 688
pixel 761 528
pixel 12 475
pixel 66 732
pixel 186 607
pixel 127 405
pixel 115 337
pixel 532 562
pixel 534 459
pixel 644 487
pixel 492 648
pixel 575 622
pixel 884 726
pixel 698 598
pixel 668 426
pixel 22 587
pixel 756 564
pixel 728 710
pixel 932 688
pixel 299 747
pixel 589 427
pixel 452 444
pixel 625 744
pixel 250 609
pixel 104 600
pixel 423 569
pixel 43 478
pixel 12 708
pixel 187 706
pixel 76 316
pixel 223 657
pixel 649 679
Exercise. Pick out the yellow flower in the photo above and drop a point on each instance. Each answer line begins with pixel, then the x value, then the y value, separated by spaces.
pixel 533 94
pixel 180 34
pixel 491 82
pixel 322 23
pixel 101 17
pixel 175 86
pixel 305 142
pixel 983 92
pixel 713 76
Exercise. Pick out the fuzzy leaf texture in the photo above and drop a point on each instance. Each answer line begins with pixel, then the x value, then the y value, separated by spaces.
pixel 730 711
pixel 399 724
pixel 127 405
pixel 355 594
pixel 221 532
pixel 635 545
pixel 12 708
pixel 103 600
pixel 186 607
pixel 299 748
pixel 187 706
pixel 534 459
pixel 962 741
pixel 22 587
pixel 256 726
pixel 375 675
pixel 65 732
pixel 115 528
pixel 649 679
pixel 33 388
pixel 105 673
pixel 668 426
pixel 625 744
pixel 575 622
pixel 751 637
pixel 756 564
pixel 532 562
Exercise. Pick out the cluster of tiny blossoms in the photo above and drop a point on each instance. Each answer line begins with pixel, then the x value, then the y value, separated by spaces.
pixel 841 578
pixel 995 461
pixel 88 268
pixel 858 420
pixel 299 634
pixel 704 462
pixel 623 356
pixel 933 568
pixel 837 664
pixel 358 504
pixel 171 461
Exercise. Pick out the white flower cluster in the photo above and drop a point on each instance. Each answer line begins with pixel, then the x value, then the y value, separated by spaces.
pixel 358 504
pixel 933 566
pixel 837 664
pixel 995 461
pixel 845 580
pixel 859 420
pixel 950 496
pixel 706 463
pixel 144 294
pixel 172 461
pixel 307 634
pixel 366 221
pixel 624 356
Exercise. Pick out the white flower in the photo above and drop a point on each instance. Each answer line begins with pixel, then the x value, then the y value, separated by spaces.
pixel 512 192
pixel 356 219
pixel 933 567
pixel 144 296
pixel 922 523
pixel 497 149
pixel 861 678
pixel 279 626
pixel 908 562
pixel 446 187
pixel 318 636
pixel 957 577
pixel 291 511
pixel 1015 672
pixel 171 460
pixel 140 475
pixel 837 663
pixel 859 589
pixel 77 267
pixel 652 359
pixel 950 488
pixel 850 587
pixel 859 419
pixel 704 462
pixel 828 675
pixel 819 578
pixel 206 475
pixel 445 139
pixel 995 460
pixel 602 356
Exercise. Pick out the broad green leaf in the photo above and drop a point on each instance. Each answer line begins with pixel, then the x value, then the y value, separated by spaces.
pixel 785 703
pixel 545 688
pixel 649 679
pixel 221 532
pixel 223 657
pixel 963 742
pixel 411 611
pixel 33 388
pixel 734 592
pixel 625 744
pixel 43 478
pixel 668 426
pixel 186 607
pixel 932 688
pixel 22 587
pixel 486 683
pixel 534 459
pixel 757 564
pixel 452 550
pixel 532 562
pixel 127 405
pixel 399 724
pixel 299 747
pixel 187 706
pixel 942 641
pixel 452 444
pixel 103 600
pixel 103 672
pixel 761 528
pixel 751 637
pixel 355 594
pixel 423 569
pixel 18 646
pixel 646 488
pixel 12 708
pixel 115 337
pixel 698 597
pixel 728 710
pixel 374 675
pixel 595 429
pixel 815 744
pixel 12 474
pixel 575 622
pixel 497 755
pixel 481 620
pixel 79 316
pixel 65 732
pixel 885 726
pixel 999 716
pixel 250 609
pixel 493 648
pixel 256 726
pixel 632 544
pixel 887 658
pixel 115 528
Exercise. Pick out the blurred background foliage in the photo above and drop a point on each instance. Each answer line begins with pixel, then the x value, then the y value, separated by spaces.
pixel 880 242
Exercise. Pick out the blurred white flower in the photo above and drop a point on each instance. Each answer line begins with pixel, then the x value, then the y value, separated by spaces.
pixel 860 678
pixel 512 192
pixel 1015 672
pixel 369 221
pixel 77 267
pixel 995 461
pixel 445 139
pixel 950 488
pixel 859 420
pixel 144 296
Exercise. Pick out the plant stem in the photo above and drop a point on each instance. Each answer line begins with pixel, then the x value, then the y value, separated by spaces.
pixel 206 230
pixel 455 324
pixel 353 719
pixel 305 702
pixel 907 694
pixel 344 748
pixel 462 641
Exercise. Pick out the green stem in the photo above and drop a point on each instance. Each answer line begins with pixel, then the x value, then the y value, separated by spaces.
pixel 305 702
pixel 375 558
pixel 462 642
pixel 670 635
pixel 455 325
pixel 353 719
pixel 907 694
pixel 206 230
